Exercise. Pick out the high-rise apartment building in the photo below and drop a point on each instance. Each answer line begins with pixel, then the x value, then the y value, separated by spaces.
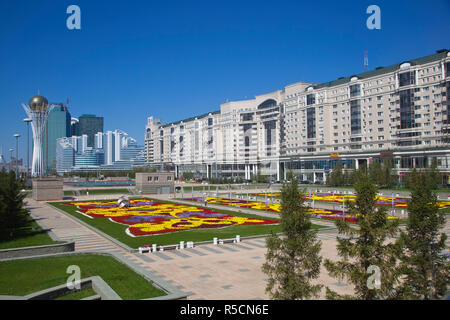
pixel 89 125
pixel 400 113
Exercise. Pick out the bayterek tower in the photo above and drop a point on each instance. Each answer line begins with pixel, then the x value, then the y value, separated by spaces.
pixel 38 110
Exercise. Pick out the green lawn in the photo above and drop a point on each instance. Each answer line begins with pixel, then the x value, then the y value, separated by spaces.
pixel 28 238
pixel 22 277
pixel 117 231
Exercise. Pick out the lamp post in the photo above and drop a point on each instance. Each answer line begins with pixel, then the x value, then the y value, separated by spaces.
pixel 17 154
pixel 28 120
pixel 10 158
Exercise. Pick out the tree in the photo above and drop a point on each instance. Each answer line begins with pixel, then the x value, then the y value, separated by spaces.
pixel 188 175
pixel 13 216
pixel 336 177
pixel 433 177
pixel 426 271
pixel 388 177
pixel 364 246
pixel 293 260
pixel 376 172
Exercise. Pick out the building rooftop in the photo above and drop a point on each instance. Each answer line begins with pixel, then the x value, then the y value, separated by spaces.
pixel 440 54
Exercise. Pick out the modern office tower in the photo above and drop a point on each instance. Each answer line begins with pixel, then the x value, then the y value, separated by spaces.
pixel 74 155
pixel 58 126
pixel 89 124
pixel 398 113
pixel 90 159
pixel 38 110
pixel 74 127
pixel 65 154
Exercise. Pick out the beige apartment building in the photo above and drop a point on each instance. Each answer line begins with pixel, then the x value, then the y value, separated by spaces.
pixel 400 112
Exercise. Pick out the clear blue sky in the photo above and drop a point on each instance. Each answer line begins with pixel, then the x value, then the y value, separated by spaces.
pixel 177 59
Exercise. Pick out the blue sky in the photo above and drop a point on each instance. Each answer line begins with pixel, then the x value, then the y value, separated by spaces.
pixel 177 59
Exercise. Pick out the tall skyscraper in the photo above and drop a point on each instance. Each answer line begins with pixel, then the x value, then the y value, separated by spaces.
pixel 90 125
pixel 74 127
pixel 58 126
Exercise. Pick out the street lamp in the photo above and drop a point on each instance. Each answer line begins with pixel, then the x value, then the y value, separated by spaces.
pixel 28 120
pixel 17 154
pixel 10 158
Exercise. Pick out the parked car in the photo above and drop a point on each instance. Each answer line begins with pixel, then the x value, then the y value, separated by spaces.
pixel 305 182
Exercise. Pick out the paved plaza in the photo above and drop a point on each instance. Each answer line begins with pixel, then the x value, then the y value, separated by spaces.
pixel 229 271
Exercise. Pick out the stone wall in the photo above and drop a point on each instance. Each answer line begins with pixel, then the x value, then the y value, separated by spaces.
pixel 37 250
pixel 47 189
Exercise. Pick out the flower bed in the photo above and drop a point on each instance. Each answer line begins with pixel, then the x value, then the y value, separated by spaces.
pixel 275 207
pixel 147 217
pixel 339 198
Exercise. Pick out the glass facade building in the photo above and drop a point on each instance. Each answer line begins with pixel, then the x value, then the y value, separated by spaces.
pixel 112 151
pixel 58 126
pixel 90 125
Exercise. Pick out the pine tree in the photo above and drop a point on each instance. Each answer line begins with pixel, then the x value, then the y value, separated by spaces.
pixel 13 216
pixel 388 177
pixel 336 177
pixel 364 245
pixel 293 260
pixel 427 274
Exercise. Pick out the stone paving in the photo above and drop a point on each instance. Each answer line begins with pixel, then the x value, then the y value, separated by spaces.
pixel 229 271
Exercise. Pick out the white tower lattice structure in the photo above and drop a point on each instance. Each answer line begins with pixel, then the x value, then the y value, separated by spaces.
pixel 38 110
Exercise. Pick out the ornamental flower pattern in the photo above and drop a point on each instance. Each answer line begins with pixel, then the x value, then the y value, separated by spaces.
pixel 338 198
pixel 275 207
pixel 146 217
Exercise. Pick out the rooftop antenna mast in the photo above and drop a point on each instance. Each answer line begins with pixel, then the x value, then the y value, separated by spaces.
pixel 366 61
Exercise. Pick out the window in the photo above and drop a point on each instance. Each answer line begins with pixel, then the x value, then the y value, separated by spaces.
pixel 149 178
pixel 156 178
pixel 355 109
pixel 406 109
pixel 355 90
pixel 310 99
pixel 169 178
pixel 311 122
pixel 407 78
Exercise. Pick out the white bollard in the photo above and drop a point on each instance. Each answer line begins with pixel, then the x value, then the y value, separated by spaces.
pixel 238 238
pixel 403 212
pixel 153 247
pixel 181 245
pixel 215 241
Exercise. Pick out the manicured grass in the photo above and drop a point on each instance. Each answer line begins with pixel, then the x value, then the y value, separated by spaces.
pixel 117 231
pixel 28 238
pixel 97 191
pixel 22 277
